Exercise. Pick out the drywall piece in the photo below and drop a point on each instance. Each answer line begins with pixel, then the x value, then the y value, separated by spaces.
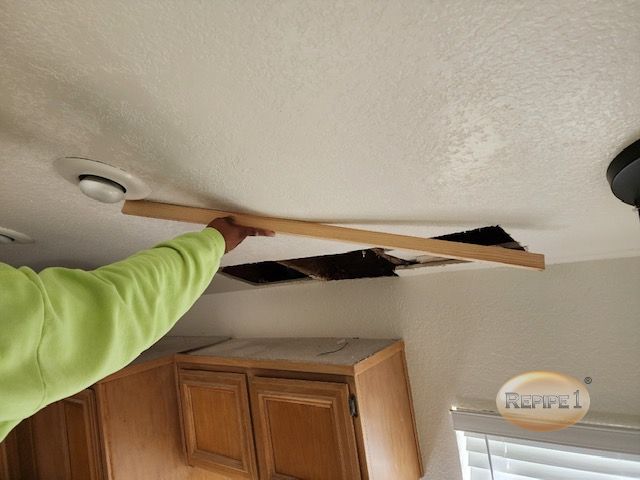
pixel 442 248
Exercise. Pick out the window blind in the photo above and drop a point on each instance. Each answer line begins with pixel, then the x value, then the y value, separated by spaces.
pixel 487 457
pixel 492 455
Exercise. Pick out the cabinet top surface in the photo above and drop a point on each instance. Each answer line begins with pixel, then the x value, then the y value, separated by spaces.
pixel 168 346
pixel 330 351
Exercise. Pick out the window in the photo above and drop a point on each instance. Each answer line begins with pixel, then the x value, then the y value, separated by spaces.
pixel 487 454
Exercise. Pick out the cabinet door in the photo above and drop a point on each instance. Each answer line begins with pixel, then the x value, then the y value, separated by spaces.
pixel 83 441
pixel 9 460
pixel 217 423
pixel 49 434
pixel 60 441
pixel 5 464
pixel 16 454
pixel 304 430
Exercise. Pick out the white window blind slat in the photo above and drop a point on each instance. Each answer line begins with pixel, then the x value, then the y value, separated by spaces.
pixel 546 472
pixel 479 474
pixel 517 459
pixel 479 460
pixel 540 454
pixel 511 476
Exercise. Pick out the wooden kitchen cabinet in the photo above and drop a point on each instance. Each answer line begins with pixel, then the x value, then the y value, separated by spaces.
pixel 320 409
pixel 259 409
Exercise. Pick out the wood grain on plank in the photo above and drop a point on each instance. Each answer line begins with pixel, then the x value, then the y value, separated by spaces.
pixel 440 248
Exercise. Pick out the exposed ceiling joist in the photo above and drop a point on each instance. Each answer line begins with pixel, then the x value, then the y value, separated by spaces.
pixel 439 248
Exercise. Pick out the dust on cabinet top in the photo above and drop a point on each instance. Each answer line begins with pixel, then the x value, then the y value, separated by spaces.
pixel 327 351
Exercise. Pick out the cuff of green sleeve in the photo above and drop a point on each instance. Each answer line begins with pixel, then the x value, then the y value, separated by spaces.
pixel 217 239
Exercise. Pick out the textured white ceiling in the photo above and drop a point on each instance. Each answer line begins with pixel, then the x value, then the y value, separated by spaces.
pixel 416 117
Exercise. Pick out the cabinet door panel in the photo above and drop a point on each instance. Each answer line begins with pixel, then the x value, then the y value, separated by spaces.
pixel 16 454
pixel 217 425
pixel 5 462
pixel 304 430
pixel 50 443
pixel 65 441
pixel 17 461
pixel 82 436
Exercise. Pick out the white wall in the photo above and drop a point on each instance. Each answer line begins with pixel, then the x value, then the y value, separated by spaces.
pixel 466 332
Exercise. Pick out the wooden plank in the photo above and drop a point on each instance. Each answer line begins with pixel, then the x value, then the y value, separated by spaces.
pixel 439 248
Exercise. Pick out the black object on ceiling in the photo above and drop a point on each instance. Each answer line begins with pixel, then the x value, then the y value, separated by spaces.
pixel 623 175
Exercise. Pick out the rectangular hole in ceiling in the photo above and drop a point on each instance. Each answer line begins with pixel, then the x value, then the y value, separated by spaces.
pixel 367 263
pixel 264 272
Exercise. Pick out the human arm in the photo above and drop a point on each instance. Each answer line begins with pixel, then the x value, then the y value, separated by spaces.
pixel 64 329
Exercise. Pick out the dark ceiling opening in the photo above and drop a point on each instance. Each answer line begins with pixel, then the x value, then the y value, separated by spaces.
pixel 366 263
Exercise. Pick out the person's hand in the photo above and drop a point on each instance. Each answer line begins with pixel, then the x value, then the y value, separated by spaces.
pixel 234 234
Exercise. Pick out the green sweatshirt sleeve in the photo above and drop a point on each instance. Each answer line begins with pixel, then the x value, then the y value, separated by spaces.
pixel 64 329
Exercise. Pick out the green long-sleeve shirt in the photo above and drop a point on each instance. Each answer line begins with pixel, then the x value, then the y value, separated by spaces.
pixel 64 329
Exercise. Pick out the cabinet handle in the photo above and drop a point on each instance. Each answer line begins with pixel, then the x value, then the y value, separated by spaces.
pixel 353 406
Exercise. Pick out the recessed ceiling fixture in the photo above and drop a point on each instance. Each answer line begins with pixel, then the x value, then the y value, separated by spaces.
pixel 101 189
pixel 8 236
pixel 623 175
pixel 100 181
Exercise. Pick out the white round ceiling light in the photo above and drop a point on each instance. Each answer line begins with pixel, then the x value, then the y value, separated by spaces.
pixel 101 189
pixel 100 181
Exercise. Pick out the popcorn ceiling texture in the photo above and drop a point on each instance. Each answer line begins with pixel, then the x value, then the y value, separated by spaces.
pixel 413 117
pixel 419 117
